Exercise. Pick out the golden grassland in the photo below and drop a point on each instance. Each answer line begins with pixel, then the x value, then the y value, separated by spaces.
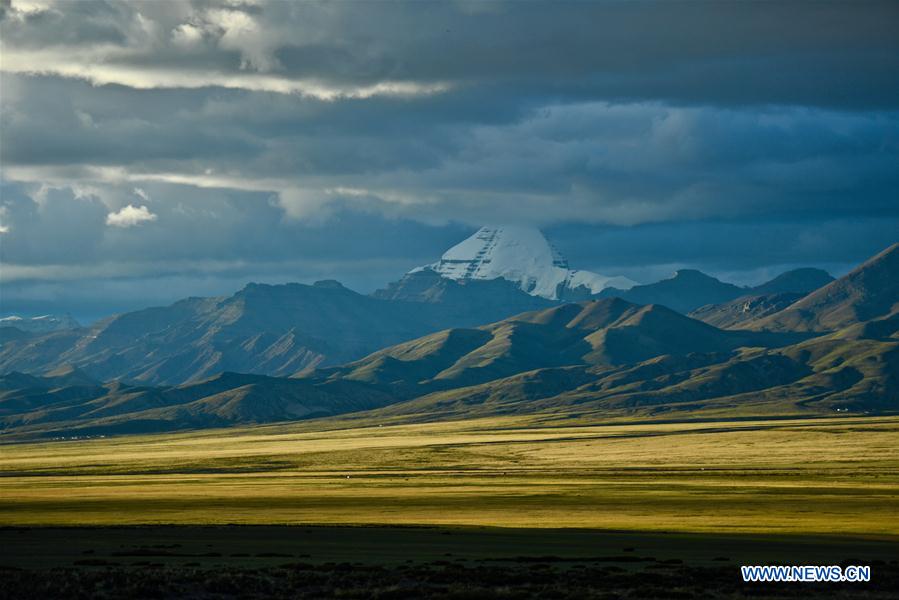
pixel 814 476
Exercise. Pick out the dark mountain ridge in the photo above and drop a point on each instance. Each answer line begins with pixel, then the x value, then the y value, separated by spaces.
pixel 35 404
pixel 271 329
pixel 605 332
pixel 797 281
pixel 870 291
pixel 690 289
pixel 495 299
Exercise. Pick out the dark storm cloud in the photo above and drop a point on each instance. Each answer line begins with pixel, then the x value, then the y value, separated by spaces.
pixel 601 162
pixel 836 54
pixel 59 227
pixel 241 140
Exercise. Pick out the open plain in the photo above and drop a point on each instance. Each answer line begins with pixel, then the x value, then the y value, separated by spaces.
pixel 829 476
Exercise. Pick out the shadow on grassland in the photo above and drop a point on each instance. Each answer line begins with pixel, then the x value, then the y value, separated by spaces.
pixel 418 562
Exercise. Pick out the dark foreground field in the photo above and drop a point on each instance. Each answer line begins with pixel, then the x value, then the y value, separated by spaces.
pixel 420 562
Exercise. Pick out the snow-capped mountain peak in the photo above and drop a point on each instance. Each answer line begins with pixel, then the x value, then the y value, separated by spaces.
pixel 41 324
pixel 522 255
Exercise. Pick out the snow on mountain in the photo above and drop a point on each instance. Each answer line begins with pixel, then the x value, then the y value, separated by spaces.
pixel 522 255
pixel 42 324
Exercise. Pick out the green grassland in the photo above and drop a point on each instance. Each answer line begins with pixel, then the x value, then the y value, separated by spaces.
pixel 836 476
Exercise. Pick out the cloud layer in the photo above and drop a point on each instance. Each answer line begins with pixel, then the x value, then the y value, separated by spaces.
pixel 217 142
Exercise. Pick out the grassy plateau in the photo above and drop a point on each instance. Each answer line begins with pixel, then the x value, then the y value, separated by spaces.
pixel 813 476
pixel 510 507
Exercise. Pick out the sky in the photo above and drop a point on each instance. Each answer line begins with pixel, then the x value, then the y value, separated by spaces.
pixel 156 150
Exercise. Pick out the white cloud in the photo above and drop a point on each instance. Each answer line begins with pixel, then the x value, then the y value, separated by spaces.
pixel 242 32
pixel 187 35
pixel 30 7
pixel 99 69
pixel 140 193
pixel 302 203
pixel 130 216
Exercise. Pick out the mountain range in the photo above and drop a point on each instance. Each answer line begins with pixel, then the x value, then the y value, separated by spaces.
pixel 279 330
pixel 835 349
pixel 265 329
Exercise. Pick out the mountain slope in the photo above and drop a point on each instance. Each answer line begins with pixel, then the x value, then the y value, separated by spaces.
pixel 869 291
pixel 816 377
pixel 595 333
pixel 689 290
pixel 228 399
pixel 797 281
pixel 275 330
pixel 763 300
pixel 472 300
pixel 686 291
pixel 744 309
